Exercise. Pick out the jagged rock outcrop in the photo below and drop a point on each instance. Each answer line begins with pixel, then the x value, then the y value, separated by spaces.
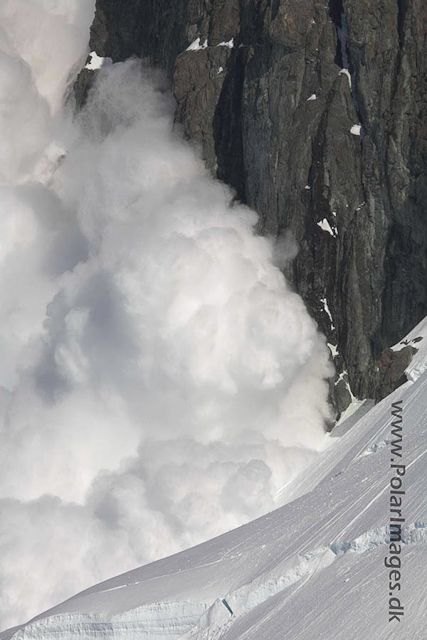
pixel 391 368
pixel 316 114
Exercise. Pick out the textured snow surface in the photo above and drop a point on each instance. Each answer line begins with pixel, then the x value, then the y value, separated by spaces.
pixel 312 569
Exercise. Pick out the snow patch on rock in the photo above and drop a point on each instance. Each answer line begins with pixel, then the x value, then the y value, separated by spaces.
pixel 197 46
pixel 325 226
pixel 327 310
pixel 229 44
pixel 346 72
pixel 97 62
pixel 333 349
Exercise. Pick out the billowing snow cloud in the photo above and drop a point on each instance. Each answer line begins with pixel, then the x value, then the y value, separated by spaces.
pixel 160 380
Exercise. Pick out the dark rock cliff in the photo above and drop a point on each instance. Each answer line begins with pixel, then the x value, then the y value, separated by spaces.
pixel 316 114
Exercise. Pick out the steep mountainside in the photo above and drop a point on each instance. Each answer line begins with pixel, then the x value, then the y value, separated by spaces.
pixel 316 114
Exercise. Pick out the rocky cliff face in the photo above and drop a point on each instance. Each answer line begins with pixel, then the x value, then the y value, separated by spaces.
pixel 316 114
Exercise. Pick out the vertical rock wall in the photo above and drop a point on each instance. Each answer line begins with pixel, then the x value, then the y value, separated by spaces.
pixel 316 113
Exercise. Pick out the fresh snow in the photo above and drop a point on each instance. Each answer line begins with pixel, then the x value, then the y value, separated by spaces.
pixel 356 129
pixel 312 97
pixel 313 568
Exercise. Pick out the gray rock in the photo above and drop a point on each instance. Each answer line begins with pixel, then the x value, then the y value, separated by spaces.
pixel 391 370
pixel 342 396
pixel 344 168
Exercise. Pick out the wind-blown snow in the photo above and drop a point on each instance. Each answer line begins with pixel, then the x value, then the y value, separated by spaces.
pixel 160 380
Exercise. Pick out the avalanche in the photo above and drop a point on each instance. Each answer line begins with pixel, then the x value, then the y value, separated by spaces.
pixel 160 383
pixel 313 568
pixel 159 379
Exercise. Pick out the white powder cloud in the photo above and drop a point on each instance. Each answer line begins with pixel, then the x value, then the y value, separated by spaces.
pixel 161 380
pixel 51 36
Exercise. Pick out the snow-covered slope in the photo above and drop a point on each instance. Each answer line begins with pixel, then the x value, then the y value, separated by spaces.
pixel 314 568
